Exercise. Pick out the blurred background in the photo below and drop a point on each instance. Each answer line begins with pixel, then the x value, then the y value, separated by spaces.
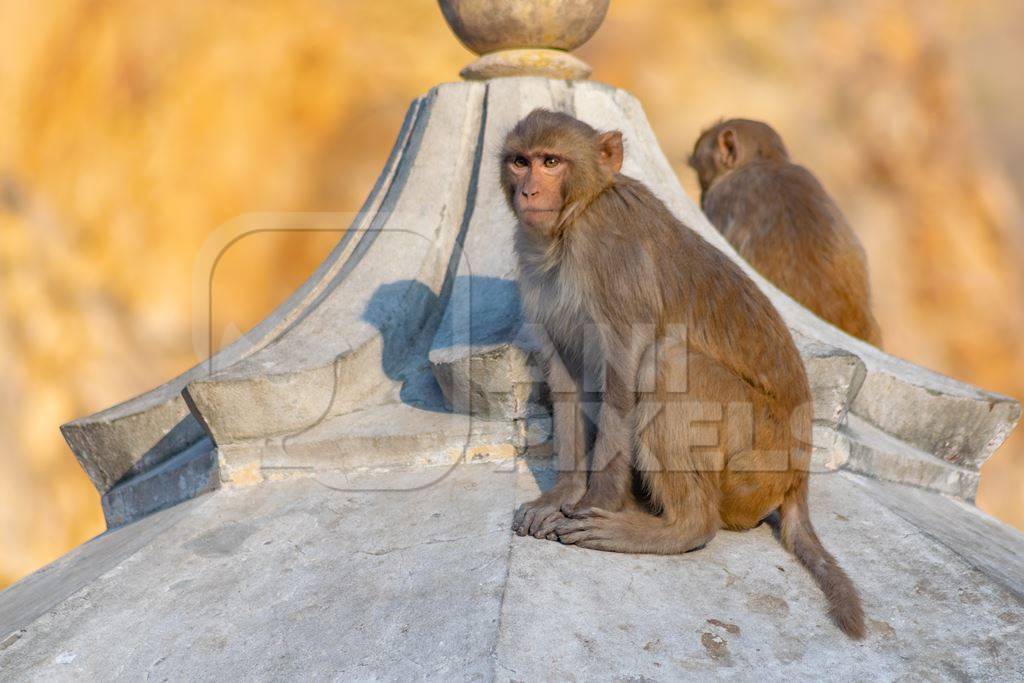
pixel 130 130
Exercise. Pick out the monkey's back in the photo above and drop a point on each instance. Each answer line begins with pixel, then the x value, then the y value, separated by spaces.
pixel 779 218
pixel 650 260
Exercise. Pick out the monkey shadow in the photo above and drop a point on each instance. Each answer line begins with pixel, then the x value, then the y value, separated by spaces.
pixel 472 311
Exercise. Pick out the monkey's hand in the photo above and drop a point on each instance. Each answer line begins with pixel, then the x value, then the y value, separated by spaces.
pixel 539 517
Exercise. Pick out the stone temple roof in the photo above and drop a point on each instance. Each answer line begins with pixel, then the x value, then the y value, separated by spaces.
pixel 412 573
pixel 332 494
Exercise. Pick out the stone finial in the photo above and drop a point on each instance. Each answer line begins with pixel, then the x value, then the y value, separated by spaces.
pixel 524 37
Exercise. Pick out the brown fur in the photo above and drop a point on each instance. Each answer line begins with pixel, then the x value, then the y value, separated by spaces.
pixel 783 223
pixel 702 394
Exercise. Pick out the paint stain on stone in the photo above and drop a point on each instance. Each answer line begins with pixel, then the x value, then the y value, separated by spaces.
pixel 222 541
pixel 768 604
pixel 733 629
pixel 716 646
pixel 1009 617
pixel 882 628
pixel 925 587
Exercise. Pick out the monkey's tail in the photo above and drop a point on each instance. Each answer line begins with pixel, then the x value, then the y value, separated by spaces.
pixel 798 537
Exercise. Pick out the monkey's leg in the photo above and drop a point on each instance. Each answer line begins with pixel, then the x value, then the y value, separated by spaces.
pixel 537 518
pixel 688 502
pixel 757 477
pixel 679 471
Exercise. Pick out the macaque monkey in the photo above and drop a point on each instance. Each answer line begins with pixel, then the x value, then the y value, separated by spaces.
pixel 702 394
pixel 783 223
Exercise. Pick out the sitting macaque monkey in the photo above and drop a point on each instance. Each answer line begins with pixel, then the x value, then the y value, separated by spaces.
pixel 783 223
pixel 702 394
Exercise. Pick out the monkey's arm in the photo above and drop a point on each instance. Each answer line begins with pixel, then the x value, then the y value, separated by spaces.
pixel 570 429
pixel 538 518
pixel 610 477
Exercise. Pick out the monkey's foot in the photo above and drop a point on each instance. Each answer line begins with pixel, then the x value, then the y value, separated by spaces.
pixel 630 532
pixel 538 517
pixel 591 527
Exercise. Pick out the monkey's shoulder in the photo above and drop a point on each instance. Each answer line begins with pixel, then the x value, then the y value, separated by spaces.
pixel 774 200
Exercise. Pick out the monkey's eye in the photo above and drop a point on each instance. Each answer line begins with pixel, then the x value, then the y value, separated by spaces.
pixel 551 162
pixel 520 162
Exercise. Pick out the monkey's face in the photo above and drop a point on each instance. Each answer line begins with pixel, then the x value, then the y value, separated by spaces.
pixel 537 188
pixel 553 165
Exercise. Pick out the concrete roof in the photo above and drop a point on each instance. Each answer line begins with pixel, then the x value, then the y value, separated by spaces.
pixel 414 574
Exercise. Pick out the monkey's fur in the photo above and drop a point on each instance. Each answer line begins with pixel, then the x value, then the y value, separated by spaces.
pixel 783 223
pixel 703 394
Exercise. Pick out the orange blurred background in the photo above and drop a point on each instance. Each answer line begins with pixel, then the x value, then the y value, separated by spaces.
pixel 129 131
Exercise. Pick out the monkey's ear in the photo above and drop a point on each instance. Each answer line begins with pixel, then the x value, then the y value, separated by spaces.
pixel 609 146
pixel 728 148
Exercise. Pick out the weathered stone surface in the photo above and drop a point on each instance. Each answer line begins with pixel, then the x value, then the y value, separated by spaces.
pixel 391 579
pixel 291 579
pixel 383 436
pixel 133 436
pixel 835 377
pixel 188 474
pixel 880 455
pixel 490 25
pixel 38 593
pixel 532 62
pixel 743 608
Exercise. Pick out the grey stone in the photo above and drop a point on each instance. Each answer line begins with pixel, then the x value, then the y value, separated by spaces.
pixel 382 436
pixel 393 579
pixel 532 62
pixel 489 25
pixel 835 377
pixel 883 456
pixel 188 474
pixel 290 580
pixel 743 608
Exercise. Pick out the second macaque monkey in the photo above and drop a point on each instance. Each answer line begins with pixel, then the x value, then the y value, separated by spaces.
pixel 702 393
pixel 783 223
